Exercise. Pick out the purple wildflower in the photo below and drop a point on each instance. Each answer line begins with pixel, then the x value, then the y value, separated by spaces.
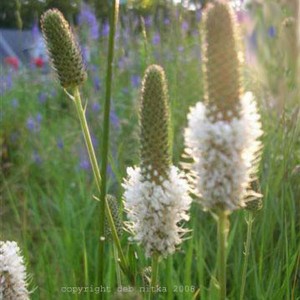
pixel 96 82
pixel 60 143
pixel 114 119
pixel 156 38
pixel 87 17
pixel 42 97
pixel 96 107
pixel 33 124
pixel 35 32
pixel 105 29
pixel 94 141
pixel 38 118
pixel 198 15
pixel 148 21
pixel 84 164
pixel 167 21
pixel 135 81
pixel 15 103
pixel 36 157
pixel 30 124
pixel 180 48
pixel 185 26
pixel 271 32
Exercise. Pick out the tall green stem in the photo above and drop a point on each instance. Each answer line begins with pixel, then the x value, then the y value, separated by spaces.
pixel 95 168
pixel 154 274
pixel 105 135
pixel 87 136
pixel 249 222
pixel 223 228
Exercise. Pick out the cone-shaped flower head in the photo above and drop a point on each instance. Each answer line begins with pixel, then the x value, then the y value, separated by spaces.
pixel 154 122
pixel 222 135
pixel 221 61
pixel 13 285
pixel 114 209
pixel 156 194
pixel 63 50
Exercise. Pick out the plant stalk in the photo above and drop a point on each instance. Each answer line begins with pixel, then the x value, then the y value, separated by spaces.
pixel 249 222
pixel 223 228
pixel 95 168
pixel 154 275
pixel 105 136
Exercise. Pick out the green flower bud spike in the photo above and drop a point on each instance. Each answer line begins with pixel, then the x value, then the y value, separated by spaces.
pixel 221 62
pixel 115 213
pixel 154 122
pixel 63 50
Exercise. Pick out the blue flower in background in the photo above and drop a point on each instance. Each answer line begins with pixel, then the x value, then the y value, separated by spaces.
pixel 15 103
pixel 94 141
pixel 60 143
pixel 33 124
pixel 180 48
pixel 156 38
pixel 36 157
pixel 135 81
pixel 105 29
pixel 253 40
pixel 35 32
pixel 42 97
pixel 38 118
pixel 87 17
pixel 84 164
pixel 185 26
pixel 148 21
pixel 96 82
pixel 96 107
pixel 114 119
pixel 271 32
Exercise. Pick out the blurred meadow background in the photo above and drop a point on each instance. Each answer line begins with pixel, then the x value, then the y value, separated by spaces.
pixel 47 186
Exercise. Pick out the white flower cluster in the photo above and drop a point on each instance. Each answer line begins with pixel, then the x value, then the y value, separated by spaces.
pixel 154 210
pixel 225 154
pixel 13 284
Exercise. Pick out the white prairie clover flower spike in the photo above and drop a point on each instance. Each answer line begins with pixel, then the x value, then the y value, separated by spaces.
pixel 221 61
pixel 13 285
pixel 154 123
pixel 63 49
pixel 157 193
pixel 222 134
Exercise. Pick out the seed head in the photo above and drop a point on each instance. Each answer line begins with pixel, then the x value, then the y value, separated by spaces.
pixel 221 61
pixel 154 122
pixel 114 209
pixel 63 50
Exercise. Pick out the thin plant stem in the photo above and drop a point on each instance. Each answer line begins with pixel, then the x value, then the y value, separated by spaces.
pixel 222 247
pixel 105 135
pixel 118 273
pixel 154 275
pixel 249 222
pixel 87 137
pixel 95 168
pixel 169 278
